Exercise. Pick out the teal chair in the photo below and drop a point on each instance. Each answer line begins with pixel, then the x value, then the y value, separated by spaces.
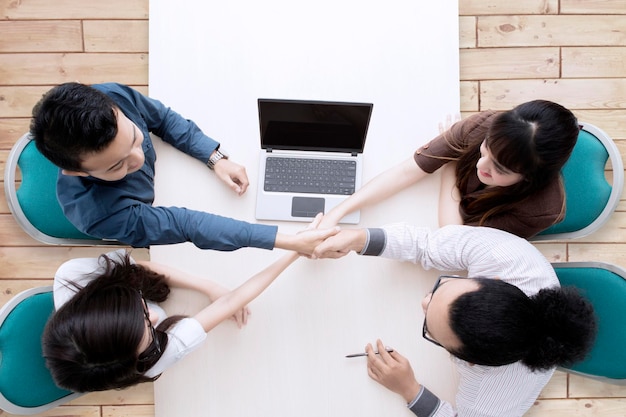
pixel 34 204
pixel 26 385
pixel 604 285
pixel 589 198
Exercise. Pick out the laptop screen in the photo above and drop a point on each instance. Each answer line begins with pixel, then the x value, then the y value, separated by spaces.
pixel 313 125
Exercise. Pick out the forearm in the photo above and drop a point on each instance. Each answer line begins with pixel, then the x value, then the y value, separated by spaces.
pixel 143 225
pixel 379 188
pixel 181 279
pixel 228 304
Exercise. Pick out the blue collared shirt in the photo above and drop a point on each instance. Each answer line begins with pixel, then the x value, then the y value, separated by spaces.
pixel 123 209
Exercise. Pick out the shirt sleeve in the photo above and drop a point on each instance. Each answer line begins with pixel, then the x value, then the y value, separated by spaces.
pixel 183 338
pixel 141 225
pixel 164 122
pixel 449 145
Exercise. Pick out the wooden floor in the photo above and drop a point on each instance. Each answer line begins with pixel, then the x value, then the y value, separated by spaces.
pixel 569 51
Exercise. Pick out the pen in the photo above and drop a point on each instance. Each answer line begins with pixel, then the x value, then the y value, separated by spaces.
pixel 356 355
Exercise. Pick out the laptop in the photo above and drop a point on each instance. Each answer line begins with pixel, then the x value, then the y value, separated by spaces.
pixel 311 157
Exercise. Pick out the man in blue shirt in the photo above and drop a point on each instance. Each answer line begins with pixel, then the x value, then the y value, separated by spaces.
pixel 99 136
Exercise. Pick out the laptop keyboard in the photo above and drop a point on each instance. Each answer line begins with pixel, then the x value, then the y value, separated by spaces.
pixel 305 175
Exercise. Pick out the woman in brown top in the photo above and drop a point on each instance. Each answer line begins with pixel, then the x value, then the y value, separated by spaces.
pixel 501 170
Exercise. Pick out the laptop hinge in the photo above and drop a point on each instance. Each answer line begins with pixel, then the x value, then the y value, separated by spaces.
pixel 268 149
pixel 355 153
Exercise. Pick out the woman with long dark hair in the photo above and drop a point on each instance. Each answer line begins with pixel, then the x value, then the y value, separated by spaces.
pixel 108 331
pixel 501 169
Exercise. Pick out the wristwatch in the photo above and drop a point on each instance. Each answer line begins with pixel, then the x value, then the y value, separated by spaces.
pixel 216 156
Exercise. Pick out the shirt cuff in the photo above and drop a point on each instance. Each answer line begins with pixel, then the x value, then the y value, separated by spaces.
pixel 375 242
pixel 425 403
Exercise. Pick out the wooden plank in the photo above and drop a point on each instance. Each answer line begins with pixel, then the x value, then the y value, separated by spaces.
pixel 4 207
pixel 602 93
pixel 11 129
pixel 42 262
pixel 614 253
pixel 138 394
pixel 116 35
pixel 556 388
pixel 594 62
pixel 467 32
pixel 18 101
pixel 10 288
pixel 128 410
pixel 497 7
pixel 469 96
pixel 509 63
pixel 581 387
pixel 64 411
pixel 74 9
pixel 41 36
pixel 88 68
pixel 613 122
pixel 578 408
pixel 554 252
pixel 593 7
pixel 11 234
pixel 562 30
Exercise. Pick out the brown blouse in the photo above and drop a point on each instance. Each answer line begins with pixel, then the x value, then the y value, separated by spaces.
pixel 528 217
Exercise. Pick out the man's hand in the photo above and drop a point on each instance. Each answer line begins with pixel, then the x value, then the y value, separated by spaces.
pixel 392 370
pixel 233 174
pixel 307 240
pixel 341 244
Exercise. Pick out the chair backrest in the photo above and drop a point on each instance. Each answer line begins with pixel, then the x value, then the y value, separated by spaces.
pixel 34 204
pixel 589 198
pixel 26 386
pixel 604 285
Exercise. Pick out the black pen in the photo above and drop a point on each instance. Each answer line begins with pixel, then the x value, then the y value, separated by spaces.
pixel 356 355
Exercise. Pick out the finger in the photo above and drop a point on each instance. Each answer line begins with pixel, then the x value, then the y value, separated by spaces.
pixel 373 373
pixel 330 255
pixel 325 234
pixel 246 313
pixel 382 351
pixel 244 187
pixel 316 221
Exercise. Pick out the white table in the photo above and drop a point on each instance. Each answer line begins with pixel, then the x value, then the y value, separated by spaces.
pixel 210 62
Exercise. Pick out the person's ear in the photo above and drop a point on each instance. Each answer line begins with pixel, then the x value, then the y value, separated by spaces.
pixel 74 173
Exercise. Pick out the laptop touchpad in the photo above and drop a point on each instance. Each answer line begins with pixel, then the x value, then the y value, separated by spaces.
pixel 307 206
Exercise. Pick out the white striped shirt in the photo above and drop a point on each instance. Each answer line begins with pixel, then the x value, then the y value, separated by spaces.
pixel 484 391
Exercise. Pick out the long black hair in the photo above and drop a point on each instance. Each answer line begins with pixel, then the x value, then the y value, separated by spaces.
pixel 91 343
pixel 534 139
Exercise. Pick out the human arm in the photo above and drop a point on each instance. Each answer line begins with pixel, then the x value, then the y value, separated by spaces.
pixel 171 127
pixel 305 242
pixel 381 187
pixel 180 279
pixel 449 197
pixel 394 372
pixel 228 304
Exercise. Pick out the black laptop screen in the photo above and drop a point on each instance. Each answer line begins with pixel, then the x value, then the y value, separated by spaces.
pixel 313 125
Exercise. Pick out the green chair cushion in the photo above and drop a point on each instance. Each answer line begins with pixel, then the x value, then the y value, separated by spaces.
pixel 607 292
pixel 586 189
pixel 37 196
pixel 24 378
